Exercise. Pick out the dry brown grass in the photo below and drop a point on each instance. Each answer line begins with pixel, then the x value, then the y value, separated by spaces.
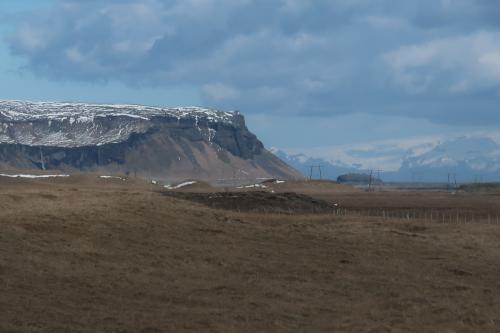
pixel 82 255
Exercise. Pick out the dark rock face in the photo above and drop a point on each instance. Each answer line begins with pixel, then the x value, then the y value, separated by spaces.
pixel 165 143
pixel 238 141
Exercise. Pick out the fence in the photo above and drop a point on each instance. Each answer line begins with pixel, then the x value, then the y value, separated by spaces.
pixel 432 216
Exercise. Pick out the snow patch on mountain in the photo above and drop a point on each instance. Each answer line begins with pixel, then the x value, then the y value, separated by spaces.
pixel 81 124
pixel 84 112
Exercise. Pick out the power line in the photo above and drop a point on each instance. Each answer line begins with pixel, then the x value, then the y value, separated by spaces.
pixel 316 167
pixel 452 180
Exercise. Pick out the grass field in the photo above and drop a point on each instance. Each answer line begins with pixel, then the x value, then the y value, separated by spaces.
pixel 103 255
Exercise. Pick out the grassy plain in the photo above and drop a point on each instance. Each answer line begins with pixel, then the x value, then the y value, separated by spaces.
pixel 103 255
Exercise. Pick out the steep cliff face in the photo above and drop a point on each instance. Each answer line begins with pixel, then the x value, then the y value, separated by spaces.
pixel 165 143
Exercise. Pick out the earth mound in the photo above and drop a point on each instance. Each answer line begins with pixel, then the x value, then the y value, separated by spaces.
pixel 259 201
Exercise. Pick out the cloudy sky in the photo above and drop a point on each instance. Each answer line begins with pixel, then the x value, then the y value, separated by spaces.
pixel 305 73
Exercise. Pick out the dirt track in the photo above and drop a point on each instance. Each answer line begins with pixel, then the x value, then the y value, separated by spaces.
pixel 101 256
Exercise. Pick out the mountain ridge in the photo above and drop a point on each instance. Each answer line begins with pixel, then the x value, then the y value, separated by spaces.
pixel 167 143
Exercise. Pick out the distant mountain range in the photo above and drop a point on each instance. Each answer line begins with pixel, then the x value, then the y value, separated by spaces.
pixel 466 159
pixel 303 163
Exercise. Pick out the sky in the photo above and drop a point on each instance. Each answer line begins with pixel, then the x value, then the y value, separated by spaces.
pixel 306 74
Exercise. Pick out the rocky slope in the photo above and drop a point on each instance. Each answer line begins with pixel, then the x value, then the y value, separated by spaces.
pixel 164 143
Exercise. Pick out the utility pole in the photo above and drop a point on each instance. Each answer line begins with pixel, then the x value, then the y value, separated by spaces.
pixel 234 181
pixel 316 167
pixel 452 181
pixel 379 171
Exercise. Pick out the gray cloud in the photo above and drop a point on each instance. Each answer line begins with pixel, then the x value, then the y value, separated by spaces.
pixel 431 59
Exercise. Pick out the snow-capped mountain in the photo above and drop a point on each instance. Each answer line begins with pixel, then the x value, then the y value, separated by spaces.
pixel 468 158
pixel 80 124
pixel 165 143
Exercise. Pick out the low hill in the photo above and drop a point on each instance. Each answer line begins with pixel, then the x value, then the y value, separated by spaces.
pixel 480 187
pixel 359 179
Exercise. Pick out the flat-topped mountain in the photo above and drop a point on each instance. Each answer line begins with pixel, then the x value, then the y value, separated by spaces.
pixel 165 143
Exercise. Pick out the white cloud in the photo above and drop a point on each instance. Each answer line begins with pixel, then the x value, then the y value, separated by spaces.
pixel 491 63
pixel 220 92
pixel 74 55
pixel 385 22
pixel 460 87
pixel 456 64
pixel 32 38
pixel 323 57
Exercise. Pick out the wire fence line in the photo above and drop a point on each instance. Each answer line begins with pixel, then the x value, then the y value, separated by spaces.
pixel 423 215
